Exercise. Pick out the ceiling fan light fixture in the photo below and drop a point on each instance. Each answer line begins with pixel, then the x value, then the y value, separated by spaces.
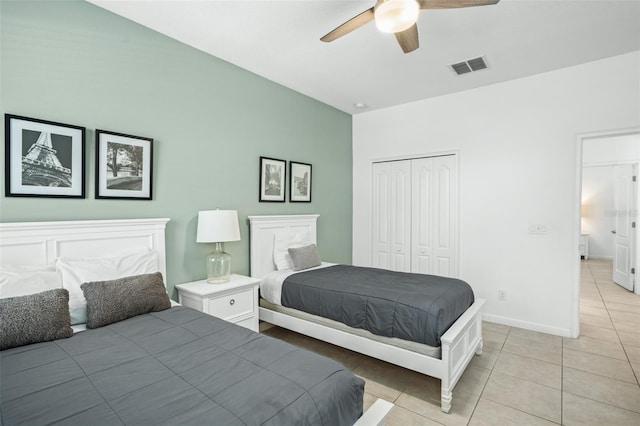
pixel 394 16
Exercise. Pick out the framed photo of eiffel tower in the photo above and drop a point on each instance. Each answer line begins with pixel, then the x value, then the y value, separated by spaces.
pixel 43 158
pixel 123 166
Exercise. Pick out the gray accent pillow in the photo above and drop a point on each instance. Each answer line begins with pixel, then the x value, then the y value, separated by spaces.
pixel 122 298
pixel 34 318
pixel 304 257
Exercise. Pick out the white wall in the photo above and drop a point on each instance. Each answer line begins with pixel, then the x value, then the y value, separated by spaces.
pixel 518 165
pixel 610 150
pixel 597 205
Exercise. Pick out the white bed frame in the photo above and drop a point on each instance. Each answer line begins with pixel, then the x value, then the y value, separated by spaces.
pixel 459 343
pixel 40 243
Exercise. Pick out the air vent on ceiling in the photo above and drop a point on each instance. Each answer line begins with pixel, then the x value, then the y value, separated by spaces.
pixel 469 65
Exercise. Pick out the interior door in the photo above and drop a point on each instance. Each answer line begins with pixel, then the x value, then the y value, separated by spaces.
pixel 624 237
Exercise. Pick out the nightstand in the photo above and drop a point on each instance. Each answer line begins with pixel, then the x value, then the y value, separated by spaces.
pixel 235 301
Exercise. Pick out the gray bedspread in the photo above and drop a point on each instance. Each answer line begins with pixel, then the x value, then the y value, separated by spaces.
pixel 175 367
pixel 414 307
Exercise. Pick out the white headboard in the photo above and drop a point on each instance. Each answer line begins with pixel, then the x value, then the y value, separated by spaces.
pixel 262 230
pixel 40 243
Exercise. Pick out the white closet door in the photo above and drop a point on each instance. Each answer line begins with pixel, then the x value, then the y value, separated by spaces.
pixel 414 215
pixel 401 216
pixel 422 253
pixel 434 216
pixel 445 216
pixel 623 233
pixel 381 217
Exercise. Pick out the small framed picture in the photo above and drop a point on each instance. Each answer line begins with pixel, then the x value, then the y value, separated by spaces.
pixel 300 182
pixel 43 158
pixel 272 179
pixel 124 166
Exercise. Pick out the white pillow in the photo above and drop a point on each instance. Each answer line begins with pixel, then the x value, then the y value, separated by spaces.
pixel 75 272
pixel 283 241
pixel 21 280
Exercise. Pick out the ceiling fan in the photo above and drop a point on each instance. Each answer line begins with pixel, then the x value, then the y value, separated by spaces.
pixel 399 17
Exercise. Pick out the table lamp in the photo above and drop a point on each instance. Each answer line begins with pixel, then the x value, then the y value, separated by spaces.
pixel 218 226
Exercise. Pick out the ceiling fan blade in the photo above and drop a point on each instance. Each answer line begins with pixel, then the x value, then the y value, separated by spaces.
pixel 352 24
pixel 452 4
pixel 408 39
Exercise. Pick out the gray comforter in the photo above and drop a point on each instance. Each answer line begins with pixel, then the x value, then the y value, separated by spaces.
pixel 175 367
pixel 414 307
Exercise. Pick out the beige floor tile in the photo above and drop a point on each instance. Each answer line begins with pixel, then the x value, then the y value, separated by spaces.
pixel 603 389
pixel 636 369
pixel 532 398
pixel 623 307
pixel 489 413
pixel 493 340
pixel 550 352
pixel 595 311
pixel 597 364
pixel 625 316
pixel 626 299
pixel 462 407
pixel 578 411
pixel 533 370
pixel 486 360
pixel 626 325
pixel 368 401
pixel 473 380
pixel 535 336
pixel 402 417
pixel 382 379
pixel 599 333
pixel 495 327
pixel 596 321
pixel 629 338
pixel 633 353
pixel 595 301
pixel 595 346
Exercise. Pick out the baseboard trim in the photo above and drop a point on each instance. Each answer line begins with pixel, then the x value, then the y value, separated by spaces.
pixel 557 331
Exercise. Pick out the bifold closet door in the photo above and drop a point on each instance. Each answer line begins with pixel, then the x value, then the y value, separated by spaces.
pixel 392 215
pixel 414 213
pixel 434 195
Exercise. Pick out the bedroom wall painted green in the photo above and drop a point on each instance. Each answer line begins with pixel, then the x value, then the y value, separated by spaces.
pixel 72 62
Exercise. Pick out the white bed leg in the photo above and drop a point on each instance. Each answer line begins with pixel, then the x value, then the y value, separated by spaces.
pixel 445 400
pixel 479 348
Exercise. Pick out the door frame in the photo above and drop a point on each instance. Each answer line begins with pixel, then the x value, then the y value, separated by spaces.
pixel 577 214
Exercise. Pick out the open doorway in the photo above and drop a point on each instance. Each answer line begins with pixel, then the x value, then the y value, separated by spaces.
pixel 608 207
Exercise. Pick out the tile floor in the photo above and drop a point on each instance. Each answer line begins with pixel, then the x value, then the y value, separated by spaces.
pixel 523 377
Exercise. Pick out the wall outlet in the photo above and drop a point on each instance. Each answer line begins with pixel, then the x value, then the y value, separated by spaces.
pixel 537 228
pixel 502 295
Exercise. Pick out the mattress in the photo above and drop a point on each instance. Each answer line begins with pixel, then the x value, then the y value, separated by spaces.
pixel 432 351
pixel 177 366
pixel 414 307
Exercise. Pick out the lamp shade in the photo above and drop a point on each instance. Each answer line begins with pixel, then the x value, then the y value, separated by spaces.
pixel 215 226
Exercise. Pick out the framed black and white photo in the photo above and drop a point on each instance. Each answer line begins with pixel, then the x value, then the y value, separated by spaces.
pixel 272 179
pixel 300 182
pixel 123 166
pixel 43 158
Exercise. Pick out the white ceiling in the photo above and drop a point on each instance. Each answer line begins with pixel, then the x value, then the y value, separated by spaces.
pixel 280 40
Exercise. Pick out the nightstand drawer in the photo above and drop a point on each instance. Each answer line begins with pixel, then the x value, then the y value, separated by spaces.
pixel 232 305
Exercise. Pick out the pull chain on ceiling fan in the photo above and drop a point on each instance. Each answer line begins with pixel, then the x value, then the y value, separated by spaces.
pixel 399 17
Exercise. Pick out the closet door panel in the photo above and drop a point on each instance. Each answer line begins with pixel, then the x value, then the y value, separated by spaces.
pixel 401 216
pixel 381 215
pixel 445 215
pixel 421 216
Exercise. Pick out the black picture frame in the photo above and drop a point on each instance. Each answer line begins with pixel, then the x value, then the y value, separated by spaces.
pixel 43 158
pixel 299 182
pixel 124 166
pixel 273 178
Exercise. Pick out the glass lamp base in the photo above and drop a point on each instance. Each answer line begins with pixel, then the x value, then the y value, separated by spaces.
pixel 218 266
